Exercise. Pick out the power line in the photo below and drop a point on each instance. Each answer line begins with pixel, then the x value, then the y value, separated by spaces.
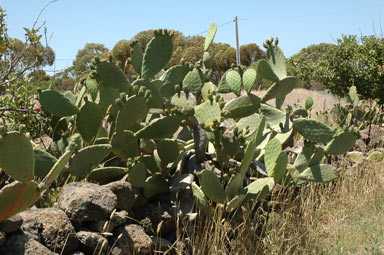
pixel 226 23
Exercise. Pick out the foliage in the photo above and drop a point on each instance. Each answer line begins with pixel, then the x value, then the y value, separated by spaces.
pixel 85 55
pixel 352 62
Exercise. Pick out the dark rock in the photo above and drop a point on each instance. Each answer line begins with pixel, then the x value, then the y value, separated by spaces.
pixel 56 229
pixel 161 243
pixel 77 253
pixel 20 244
pixel 86 201
pixel 140 200
pixel 32 229
pixel 11 224
pixel 133 240
pixel 152 215
pixel 92 243
pixel 124 192
pixel 2 238
pixel 118 219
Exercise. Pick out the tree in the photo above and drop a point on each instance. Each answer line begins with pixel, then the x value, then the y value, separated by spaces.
pixel 85 56
pixel 250 53
pixel 352 62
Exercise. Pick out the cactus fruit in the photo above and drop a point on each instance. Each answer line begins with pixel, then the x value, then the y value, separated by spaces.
pixel 133 112
pixel 88 158
pixel 159 128
pixel 313 130
pixel 14 145
pixel 194 81
pixel 157 54
pixel 136 56
pixel 104 175
pixel 318 173
pixel 210 36
pixel 57 104
pixel 233 79
pixel 341 143
pixel 88 121
pixel 16 197
pixel 242 106
pixel 211 186
pixel 111 75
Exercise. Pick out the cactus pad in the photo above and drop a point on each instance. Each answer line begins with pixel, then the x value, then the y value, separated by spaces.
pixel 107 174
pixel 92 88
pixel 157 54
pixel 207 113
pixel 207 60
pixel 242 106
pixel 276 119
pixel 43 162
pixel 136 56
pixel 210 36
pixel 318 173
pixel 341 144
pixel 375 156
pixel 88 120
pixel 185 101
pixel 57 169
pixel 280 89
pixel 211 186
pixel 264 70
pixel 137 174
pixel 313 130
pixel 276 60
pixel 231 145
pixel 194 81
pixel 154 185
pixel 111 75
pixel 57 104
pixel 16 156
pixel 133 112
pixel 124 145
pixel 88 158
pixel 233 79
pixel 168 150
pixel 234 185
pixel 172 77
pixel 160 128
pixel 260 188
pixel 16 197
pixel 249 79
pixel 208 88
pixel 201 201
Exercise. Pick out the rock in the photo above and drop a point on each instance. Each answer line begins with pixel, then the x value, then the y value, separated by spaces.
pixel 55 229
pixel 84 202
pixel 124 192
pixel 118 219
pixel 32 229
pixel 2 238
pixel 152 215
pixel 21 244
pixel 11 224
pixel 92 243
pixel 77 253
pixel 161 243
pixel 133 240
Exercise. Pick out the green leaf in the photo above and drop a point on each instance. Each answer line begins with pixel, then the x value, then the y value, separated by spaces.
pixel 211 186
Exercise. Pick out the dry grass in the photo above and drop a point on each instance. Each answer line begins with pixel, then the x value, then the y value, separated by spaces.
pixel 342 217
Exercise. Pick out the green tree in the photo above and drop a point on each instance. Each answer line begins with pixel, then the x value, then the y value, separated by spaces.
pixel 85 56
pixel 250 53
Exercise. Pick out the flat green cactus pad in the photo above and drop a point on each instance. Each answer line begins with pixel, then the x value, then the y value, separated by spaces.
pixel 137 174
pixel 207 60
pixel 57 104
pixel 156 100
pixel 341 144
pixel 260 188
pixel 200 199
pixel 208 88
pixel 107 174
pixel 57 169
pixel 157 54
pixel 251 122
pixel 308 103
pixel 194 81
pixel 276 59
pixel 108 95
pixel 92 88
pixel 87 158
pixel 249 79
pixel 137 56
pixel 16 156
pixel 231 145
pixel 223 86
pixel 235 202
pixel 375 156
pixel 16 197
pixel 210 36
pixel 249 155
pixel 172 77
pixel 318 173
pixel 88 121
pixel 272 152
pixel 185 101
pixel 154 185
pixel 43 162
pixel 159 128
pixel 124 145
pixel 134 111
pixel 207 113
pixel 234 185
pixel 313 130
pixel 304 156
pixel 276 119
pixel 111 75
pixel 168 150
pixel 233 79
pixel 280 89
pixel 242 106
pixel 264 70
pixel 211 186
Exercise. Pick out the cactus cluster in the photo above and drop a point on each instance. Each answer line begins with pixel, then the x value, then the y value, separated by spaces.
pixel 151 129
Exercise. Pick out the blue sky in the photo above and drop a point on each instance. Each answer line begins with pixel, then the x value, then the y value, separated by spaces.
pixel 73 23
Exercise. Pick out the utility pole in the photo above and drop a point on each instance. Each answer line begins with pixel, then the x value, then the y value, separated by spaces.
pixel 237 43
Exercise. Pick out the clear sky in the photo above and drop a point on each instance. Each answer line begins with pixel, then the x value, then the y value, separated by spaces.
pixel 73 23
